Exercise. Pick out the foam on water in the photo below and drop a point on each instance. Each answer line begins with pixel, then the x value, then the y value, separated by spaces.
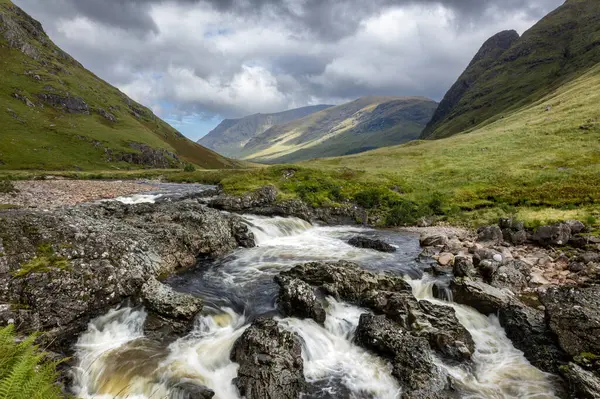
pixel 115 361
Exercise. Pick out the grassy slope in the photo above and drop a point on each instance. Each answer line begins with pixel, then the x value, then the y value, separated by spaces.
pixel 369 122
pixel 43 137
pixel 557 49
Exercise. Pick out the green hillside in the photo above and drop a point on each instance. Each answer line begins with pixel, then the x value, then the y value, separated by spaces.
pixel 56 115
pixel 560 47
pixel 230 137
pixel 358 126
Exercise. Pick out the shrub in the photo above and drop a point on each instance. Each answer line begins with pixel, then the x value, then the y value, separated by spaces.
pixel 405 213
pixel 24 371
pixel 189 168
pixel 371 198
pixel 7 187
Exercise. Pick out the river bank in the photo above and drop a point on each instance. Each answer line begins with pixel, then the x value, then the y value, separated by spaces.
pixel 68 266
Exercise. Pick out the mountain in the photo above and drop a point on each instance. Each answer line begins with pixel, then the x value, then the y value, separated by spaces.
pixel 230 137
pixel 510 72
pixel 56 115
pixel 361 125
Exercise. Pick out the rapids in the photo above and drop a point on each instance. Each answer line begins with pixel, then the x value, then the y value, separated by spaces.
pixel 116 361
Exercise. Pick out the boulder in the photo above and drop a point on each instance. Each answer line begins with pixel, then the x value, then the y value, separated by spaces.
pixel 163 300
pixel 576 226
pixel 298 299
pixel 573 314
pixel 377 245
pixel 463 267
pixel 189 390
pixel 482 297
pixel 270 360
pixel 558 234
pixel 412 359
pixel 488 268
pixel 433 240
pixel 443 331
pixel 400 307
pixel 491 234
pixel 445 259
pixel 518 237
pixel 583 383
pixel 509 277
pixel 345 280
pixel 264 196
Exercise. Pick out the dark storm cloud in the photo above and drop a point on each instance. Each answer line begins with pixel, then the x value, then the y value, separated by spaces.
pixel 236 57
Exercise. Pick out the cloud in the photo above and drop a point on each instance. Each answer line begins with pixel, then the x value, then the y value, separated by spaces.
pixel 236 57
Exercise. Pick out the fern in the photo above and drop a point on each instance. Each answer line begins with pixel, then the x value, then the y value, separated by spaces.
pixel 24 372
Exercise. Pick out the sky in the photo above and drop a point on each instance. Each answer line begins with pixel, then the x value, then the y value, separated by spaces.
pixel 196 62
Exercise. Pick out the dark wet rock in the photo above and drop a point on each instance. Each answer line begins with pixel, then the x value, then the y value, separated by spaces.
pixel 576 226
pixel 441 291
pixel 525 326
pixel 93 256
pixel 298 299
pixel 463 267
pixel 444 332
pixel 244 237
pixel 163 300
pixel 573 314
pixel 411 357
pixel 576 267
pixel 489 234
pixel 482 297
pixel 583 383
pixel 527 329
pixel 488 268
pixel 270 360
pixel 400 307
pixel 433 240
pixel 482 254
pixel 558 234
pixel 188 390
pixel 346 280
pixel 377 245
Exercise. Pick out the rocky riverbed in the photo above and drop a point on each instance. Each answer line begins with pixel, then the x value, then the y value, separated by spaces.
pixel 180 299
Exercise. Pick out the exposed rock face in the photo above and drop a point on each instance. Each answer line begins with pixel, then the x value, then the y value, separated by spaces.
pixel 584 384
pixel 270 362
pixel 74 105
pixel 261 197
pixel 377 245
pixel 463 267
pixel 574 316
pixel 61 268
pixel 298 299
pixel 346 280
pixel 411 356
pixel 145 155
pixel 480 296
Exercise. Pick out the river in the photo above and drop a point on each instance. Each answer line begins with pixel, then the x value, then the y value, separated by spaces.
pixel 116 361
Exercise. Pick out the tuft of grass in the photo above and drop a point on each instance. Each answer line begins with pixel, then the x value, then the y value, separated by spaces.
pixel 24 371
pixel 7 187
pixel 44 261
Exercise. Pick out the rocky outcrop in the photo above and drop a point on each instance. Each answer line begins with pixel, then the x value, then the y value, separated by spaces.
pixel 377 245
pixel 345 280
pixel 68 103
pixel 573 314
pixel 270 360
pixel 583 383
pixel 384 295
pixel 61 268
pixel 411 357
pixel 145 155
pixel 298 299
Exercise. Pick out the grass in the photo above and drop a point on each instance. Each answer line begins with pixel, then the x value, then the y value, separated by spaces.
pixel 47 138
pixel 44 261
pixel 24 371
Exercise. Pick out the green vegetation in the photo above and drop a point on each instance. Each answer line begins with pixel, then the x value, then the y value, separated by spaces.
pixel 56 115
pixel 44 261
pixel 358 126
pixel 24 371
pixel 559 48
pixel 7 187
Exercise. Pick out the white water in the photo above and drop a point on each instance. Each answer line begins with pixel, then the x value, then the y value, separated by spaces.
pixel 116 362
pixel 139 199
